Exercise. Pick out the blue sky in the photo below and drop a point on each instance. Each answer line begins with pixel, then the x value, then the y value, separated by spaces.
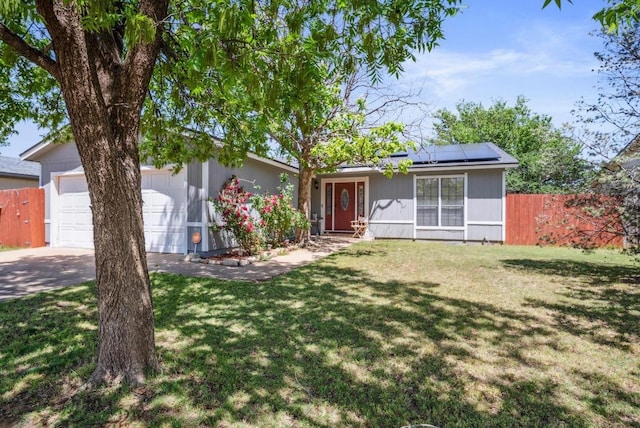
pixel 495 49
pixel 499 49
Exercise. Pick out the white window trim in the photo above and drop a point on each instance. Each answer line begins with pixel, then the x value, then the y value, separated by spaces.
pixel 463 228
pixel 205 206
pixel 334 180
pixel 504 206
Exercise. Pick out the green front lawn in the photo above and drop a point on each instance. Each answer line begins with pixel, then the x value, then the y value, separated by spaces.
pixel 383 334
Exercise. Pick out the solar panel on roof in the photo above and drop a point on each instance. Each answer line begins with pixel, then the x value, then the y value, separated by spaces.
pixel 453 153
pixel 399 155
pixel 479 152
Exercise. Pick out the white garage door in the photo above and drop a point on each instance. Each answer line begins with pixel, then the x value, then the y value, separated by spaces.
pixel 164 210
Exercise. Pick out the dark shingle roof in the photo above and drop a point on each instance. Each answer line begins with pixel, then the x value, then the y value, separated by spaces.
pixel 15 167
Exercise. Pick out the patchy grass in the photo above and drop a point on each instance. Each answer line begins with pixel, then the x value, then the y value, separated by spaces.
pixel 382 334
pixel 5 248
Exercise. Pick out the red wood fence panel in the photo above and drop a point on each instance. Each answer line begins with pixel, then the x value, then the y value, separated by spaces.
pixel 539 219
pixel 22 217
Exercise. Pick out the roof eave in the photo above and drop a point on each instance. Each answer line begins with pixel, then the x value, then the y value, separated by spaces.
pixel 15 175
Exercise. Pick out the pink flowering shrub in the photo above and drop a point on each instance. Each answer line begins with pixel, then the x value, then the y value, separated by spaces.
pixel 278 217
pixel 275 219
pixel 231 204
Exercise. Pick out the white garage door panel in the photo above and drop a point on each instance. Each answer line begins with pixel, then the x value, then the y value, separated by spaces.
pixel 164 211
pixel 76 225
pixel 73 185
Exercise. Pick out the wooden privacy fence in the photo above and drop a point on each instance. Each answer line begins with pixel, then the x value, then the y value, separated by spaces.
pixel 22 217
pixel 547 219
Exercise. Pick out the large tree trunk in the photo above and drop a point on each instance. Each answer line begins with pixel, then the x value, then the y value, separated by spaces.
pixel 305 178
pixel 104 94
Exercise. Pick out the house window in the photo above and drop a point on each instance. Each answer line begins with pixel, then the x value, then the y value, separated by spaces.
pixel 440 201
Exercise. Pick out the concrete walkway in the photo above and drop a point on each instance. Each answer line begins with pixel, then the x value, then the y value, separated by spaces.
pixel 31 270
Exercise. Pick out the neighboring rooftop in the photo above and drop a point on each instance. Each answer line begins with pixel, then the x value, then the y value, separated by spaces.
pixel 15 167
pixel 631 149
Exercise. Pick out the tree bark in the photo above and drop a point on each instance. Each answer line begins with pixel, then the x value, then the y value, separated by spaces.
pixel 305 178
pixel 104 94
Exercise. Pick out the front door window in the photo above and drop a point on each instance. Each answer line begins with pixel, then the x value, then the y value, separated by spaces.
pixel 344 200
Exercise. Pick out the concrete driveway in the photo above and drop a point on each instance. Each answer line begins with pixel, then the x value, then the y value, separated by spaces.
pixel 31 270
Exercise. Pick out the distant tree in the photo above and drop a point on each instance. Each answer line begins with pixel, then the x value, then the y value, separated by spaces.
pixel 550 161
pixel 613 124
pixel 616 111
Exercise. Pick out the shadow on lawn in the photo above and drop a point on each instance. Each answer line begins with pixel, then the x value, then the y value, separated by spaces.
pixel 321 346
pixel 597 274
pixel 607 299
pixel 40 273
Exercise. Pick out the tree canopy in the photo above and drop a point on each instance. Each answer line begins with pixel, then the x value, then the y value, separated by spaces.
pixel 257 62
pixel 614 17
pixel 550 161
pixel 177 73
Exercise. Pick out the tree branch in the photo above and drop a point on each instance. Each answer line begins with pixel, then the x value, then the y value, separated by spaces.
pixel 27 51
pixel 140 59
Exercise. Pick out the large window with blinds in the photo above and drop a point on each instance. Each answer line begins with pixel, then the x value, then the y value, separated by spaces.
pixel 440 201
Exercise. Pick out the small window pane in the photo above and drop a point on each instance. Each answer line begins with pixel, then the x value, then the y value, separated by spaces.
pixel 452 216
pixel 452 201
pixel 427 202
pixel 427 216
pixel 452 191
pixel 360 199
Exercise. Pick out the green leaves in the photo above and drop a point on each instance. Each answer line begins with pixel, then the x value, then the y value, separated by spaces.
pixel 9 7
pixel 549 160
pixel 557 2
pixel 622 14
pixel 139 29
pixel 242 71
pixel 619 13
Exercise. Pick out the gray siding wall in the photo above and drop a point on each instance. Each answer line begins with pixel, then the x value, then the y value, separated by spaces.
pixel 441 234
pixel 7 183
pixel 390 199
pixel 482 232
pixel 253 171
pixel 316 195
pixel 63 158
pixel 391 230
pixel 194 192
pixel 484 196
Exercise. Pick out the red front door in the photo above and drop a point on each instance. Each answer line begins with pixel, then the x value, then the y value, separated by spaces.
pixel 344 205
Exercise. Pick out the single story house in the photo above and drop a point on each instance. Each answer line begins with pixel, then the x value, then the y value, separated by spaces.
pixel 454 192
pixel 175 205
pixel 16 173
pixel 450 193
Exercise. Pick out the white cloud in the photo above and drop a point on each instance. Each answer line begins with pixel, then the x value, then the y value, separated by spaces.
pixel 550 65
